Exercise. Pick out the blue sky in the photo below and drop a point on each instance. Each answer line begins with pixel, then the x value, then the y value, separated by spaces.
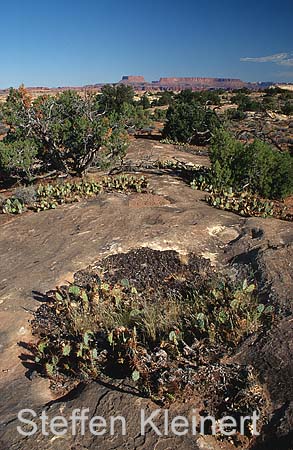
pixel 80 42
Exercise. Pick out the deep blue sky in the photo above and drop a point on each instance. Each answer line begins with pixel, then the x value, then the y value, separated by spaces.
pixel 79 42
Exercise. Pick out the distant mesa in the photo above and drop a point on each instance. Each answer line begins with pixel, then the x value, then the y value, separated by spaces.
pixel 179 83
pixel 133 79
pixel 199 81
pixel 139 83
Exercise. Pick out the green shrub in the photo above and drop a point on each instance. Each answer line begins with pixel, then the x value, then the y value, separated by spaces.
pixel 270 103
pixel 159 114
pixel 165 98
pixel 246 103
pixel 225 150
pixel 67 132
pixel 113 98
pixel 236 114
pixel 287 108
pixel 203 97
pixel 189 122
pixel 144 102
pixel 256 166
pixel 18 158
pixel 134 117
pixel 282 183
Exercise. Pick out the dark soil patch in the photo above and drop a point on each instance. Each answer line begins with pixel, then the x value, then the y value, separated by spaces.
pixel 146 268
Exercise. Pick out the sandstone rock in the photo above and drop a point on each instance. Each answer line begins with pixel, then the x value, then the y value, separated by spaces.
pixel 43 250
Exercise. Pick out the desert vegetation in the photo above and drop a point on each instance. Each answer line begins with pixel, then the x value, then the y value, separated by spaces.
pixel 165 332
pixel 243 173
pixel 69 134
pixel 49 196
pixel 161 325
pixel 66 133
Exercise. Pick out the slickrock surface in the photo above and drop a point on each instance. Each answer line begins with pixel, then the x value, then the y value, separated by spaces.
pixel 40 251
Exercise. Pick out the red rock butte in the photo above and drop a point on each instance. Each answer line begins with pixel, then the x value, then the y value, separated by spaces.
pixel 198 80
pixel 194 83
pixel 133 79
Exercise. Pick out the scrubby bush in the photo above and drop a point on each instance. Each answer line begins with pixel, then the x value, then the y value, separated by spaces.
pixel 286 94
pixel 26 195
pixel 225 150
pixel 270 103
pixel 64 132
pixel 165 98
pixel 235 114
pixel 201 97
pixel 18 158
pixel 113 98
pixel 256 166
pixel 134 117
pixel 189 122
pixel 144 102
pixel 287 108
pixel 159 114
pixel 246 103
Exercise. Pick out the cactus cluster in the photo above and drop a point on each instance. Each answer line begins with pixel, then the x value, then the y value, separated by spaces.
pixel 124 183
pixel 245 203
pixel 203 180
pixel 178 144
pixel 98 329
pixel 177 165
pixel 172 141
pixel 197 175
pixel 13 206
pixel 49 196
